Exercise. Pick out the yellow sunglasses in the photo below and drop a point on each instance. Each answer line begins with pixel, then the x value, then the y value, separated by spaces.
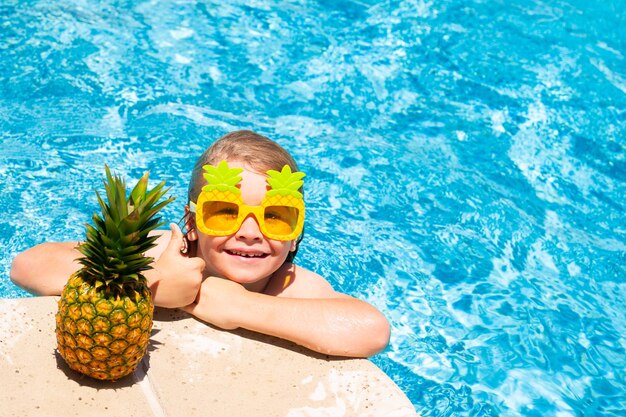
pixel 220 211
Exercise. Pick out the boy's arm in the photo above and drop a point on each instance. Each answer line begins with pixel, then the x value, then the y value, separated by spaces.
pixel 333 323
pixel 44 269
pixel 174 280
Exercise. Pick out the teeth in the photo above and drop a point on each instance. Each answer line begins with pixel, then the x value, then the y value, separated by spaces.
pixel 247 255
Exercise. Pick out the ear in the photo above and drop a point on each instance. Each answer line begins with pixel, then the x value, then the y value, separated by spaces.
pixel 190 224
pixel 294 245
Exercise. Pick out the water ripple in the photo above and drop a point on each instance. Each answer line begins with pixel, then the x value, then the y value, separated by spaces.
pixel 465 164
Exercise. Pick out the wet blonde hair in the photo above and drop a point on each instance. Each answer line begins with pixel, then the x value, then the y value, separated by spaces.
pixel 256 151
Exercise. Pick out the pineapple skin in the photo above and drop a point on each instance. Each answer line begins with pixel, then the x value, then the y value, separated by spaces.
pixel 102 335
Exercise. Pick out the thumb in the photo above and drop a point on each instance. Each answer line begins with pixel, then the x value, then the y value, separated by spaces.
pixel 176 243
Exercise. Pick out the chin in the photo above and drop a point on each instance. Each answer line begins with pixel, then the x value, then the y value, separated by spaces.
pixel 245 276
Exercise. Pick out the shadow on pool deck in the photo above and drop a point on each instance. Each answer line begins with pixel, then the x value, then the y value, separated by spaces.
pixel 191 370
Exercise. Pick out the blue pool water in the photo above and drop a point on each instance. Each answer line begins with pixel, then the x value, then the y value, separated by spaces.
pixel 466 164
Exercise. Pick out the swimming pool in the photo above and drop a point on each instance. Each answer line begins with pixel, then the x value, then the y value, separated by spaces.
pixel 466 164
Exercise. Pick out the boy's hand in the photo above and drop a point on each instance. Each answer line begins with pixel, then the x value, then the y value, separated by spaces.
pixel 175 278
pixel 217 302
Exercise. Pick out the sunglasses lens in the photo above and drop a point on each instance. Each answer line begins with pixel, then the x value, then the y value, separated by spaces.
pixel 220 215
pixel 281 220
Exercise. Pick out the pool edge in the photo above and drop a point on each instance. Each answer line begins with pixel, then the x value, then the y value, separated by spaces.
pixel 191 369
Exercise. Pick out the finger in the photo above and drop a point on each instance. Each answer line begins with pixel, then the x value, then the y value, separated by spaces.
pixel 176 232
pixel 176 239
pixel 196 263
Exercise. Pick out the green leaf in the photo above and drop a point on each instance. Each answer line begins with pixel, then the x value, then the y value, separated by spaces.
pixel 285 182
pixel 222 177
pixel 115 246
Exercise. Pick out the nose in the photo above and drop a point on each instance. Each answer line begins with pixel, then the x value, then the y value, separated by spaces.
pixel 249 230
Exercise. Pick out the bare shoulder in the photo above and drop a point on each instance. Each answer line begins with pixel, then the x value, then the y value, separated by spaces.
pixel 296 282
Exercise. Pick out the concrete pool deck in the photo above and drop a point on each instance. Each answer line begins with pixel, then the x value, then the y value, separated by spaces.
pixel 191 370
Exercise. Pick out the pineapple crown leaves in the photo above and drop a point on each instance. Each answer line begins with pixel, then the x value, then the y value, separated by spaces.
pixel 113 253
pixel 222 178
pixel 285 182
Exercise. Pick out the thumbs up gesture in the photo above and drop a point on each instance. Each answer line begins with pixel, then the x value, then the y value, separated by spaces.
pixel 175 278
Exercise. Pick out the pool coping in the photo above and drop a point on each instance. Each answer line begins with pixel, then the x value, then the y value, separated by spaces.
pixel 191 369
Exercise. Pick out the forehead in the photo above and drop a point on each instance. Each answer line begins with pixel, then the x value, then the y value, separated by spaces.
pixel 253 184
pixel 249 174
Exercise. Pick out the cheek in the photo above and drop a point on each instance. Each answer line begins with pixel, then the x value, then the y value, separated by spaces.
pixel 207 245
pixel 280 248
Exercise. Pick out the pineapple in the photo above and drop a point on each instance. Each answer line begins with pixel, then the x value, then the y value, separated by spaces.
pixel 104 319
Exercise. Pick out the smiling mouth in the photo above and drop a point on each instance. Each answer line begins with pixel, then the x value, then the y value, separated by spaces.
pixel 247 254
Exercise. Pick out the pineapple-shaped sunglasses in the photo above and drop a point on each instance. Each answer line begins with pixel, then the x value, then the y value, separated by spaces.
pixel 220 210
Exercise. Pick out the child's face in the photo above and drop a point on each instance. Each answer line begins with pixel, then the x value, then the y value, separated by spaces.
pixel 247 256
